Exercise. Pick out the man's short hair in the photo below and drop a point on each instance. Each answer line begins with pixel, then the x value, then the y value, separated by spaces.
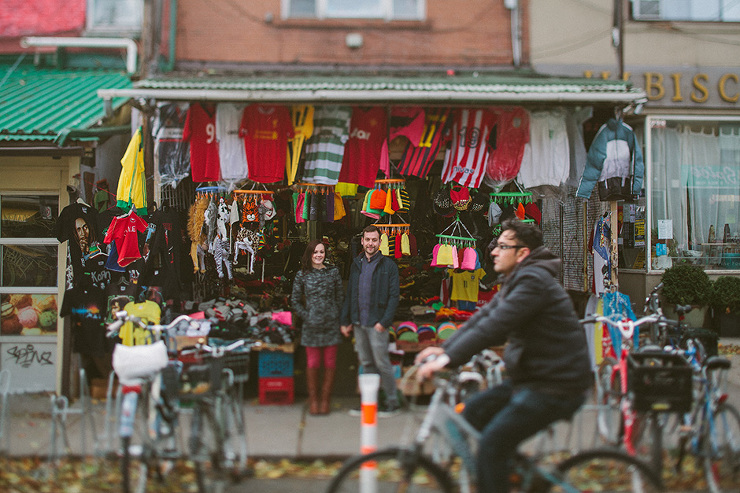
pixel 371 229
pixel 526 234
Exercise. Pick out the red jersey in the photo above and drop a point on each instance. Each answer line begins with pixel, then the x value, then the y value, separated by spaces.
pixel 367 131
pixel 466 161
pixel 266 130
pixel 123 230
pixel 200 130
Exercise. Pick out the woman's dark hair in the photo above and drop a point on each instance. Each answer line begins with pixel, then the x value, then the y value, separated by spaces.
pixel 306 263
pixel 526 234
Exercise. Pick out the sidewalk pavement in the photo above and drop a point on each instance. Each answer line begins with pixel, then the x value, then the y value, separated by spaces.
pixel 272 431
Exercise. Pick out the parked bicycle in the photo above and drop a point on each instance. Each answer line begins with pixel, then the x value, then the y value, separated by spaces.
pixel 449 463
pixel 152 384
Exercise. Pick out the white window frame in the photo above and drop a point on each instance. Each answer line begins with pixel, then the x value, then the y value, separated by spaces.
pixel 694 7
pixel 92 27
pixel 656 119
pixel 384 12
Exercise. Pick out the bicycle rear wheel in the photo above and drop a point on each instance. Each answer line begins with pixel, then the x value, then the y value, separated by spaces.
pixel 392 469
pixel 722 450
pixel 235 436
pixel 606 470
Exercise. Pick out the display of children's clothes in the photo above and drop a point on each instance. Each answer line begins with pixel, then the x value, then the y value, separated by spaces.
pixel 124 231
pixel 466 162
pixel 200 131
pixel 78 223
pixel 362 151
pixel 266 130
pixel 131 190
pixel 325 148
pixel 465 284
pixel 614 163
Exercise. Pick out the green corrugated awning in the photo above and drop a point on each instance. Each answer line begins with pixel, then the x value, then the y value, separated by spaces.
pixel 37 105
pixel 484 88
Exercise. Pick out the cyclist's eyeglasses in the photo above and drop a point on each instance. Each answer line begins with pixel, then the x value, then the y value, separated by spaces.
pixel 506 247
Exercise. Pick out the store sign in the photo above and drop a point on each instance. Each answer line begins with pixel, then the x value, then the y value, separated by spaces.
pixel 708 176
pixel 670 86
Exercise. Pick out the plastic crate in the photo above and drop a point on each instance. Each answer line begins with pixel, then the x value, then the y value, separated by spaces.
pixel 276 390
pixel 275 364
pixel 659 381
pixel 200 377
pixel 237 361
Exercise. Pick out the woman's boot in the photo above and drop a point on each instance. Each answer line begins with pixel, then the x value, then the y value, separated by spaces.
pixel 325 406
pixel 312 380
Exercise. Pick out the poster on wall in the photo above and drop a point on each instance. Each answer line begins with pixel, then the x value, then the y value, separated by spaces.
pixel 28 314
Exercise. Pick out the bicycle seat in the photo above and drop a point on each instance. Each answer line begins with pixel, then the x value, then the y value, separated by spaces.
pixel 717 363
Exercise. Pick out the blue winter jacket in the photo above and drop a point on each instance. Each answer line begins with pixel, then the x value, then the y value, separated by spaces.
pixel 614 162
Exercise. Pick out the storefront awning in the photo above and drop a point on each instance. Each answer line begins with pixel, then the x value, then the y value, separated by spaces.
pixel 44 105
pixel 444 89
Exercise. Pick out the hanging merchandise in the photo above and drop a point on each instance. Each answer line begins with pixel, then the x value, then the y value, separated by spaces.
pixel 78 223
pixel 325 148
pixel 132 182
pixel 466 162
pixel 302 118
pixel 600 247
pixel 165 247
pixel 266 130
pixel 232 155
pixel 508 139
pixel 417 159
pixel 453 238
pixel 546 159
pixel 362 151
pixel 200 131
pixel 171 151
pixel 442 202
pixel 124 231
pixel 460 197
pixel 614 162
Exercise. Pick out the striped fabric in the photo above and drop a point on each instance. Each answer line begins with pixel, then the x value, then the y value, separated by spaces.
pixel 325 148
pixel 466 162
pixel 418 160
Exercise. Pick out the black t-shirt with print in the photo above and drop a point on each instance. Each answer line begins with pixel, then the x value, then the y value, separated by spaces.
pixel 78 223
pixel 86 309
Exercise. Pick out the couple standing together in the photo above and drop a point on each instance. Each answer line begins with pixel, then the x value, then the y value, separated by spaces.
pixel 369 306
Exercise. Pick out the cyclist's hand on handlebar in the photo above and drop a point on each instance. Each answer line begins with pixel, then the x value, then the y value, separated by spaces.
pixel 426 352
pixel 430 365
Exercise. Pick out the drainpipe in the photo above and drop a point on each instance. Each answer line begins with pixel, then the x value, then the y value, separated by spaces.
pixel 516 37
pixel 170 65
pixel 128 44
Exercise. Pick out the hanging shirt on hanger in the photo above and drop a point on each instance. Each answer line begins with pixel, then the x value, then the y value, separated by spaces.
pixel 465 163
pixel 200 131
pixel 325 148
pixel 546 159
pixel 302 117
pixel 508 139
pixel 417 159
pixel 362 151
pixel 171 152
pixel 232 156
pixel 266 130
pixel 132 183
pixel 124 231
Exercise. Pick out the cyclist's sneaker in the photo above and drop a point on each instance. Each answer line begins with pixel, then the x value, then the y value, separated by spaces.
pixel 388 410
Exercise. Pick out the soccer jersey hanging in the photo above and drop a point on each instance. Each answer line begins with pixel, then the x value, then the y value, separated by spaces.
pixel 123 230
pixel 465 163
pixel 231 153
pixel 132 183
pixel 200 131
pixel 417 160
pixel 302 117
pixel 325 148
pixel 266 130
pixel 362 151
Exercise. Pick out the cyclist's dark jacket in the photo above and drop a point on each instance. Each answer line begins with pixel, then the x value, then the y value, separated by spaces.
pixel 547 347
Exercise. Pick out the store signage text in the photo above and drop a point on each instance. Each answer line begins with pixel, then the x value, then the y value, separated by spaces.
pixel 712 176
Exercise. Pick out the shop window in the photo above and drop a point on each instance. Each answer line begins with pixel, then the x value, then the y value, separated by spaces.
pixel 354 9
pixel 28 264
pixel 686 10
pixel 695 192
pixel 115 16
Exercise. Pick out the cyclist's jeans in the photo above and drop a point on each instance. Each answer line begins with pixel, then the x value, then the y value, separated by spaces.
pixel 372 351
pixel 506 418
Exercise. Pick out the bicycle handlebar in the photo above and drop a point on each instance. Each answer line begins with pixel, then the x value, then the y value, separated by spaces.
pixel 626 327
pixel 123 317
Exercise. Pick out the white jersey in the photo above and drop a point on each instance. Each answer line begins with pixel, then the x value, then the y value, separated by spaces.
pixel 230 144
pixel 466 162
pixel 546 159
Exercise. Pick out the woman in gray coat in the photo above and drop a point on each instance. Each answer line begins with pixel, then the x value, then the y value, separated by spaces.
pixel 317 300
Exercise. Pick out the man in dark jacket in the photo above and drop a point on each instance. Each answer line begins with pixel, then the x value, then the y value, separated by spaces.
pixel 369 307
pixel 546 354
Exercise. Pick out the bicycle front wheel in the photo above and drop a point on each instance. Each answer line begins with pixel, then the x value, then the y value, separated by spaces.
pixel 390 470
pixel 722 450
pixel 609 417
pixel 605 470
pixel 206 449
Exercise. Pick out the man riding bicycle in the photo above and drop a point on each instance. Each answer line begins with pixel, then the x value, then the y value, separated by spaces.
pixel 546 353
